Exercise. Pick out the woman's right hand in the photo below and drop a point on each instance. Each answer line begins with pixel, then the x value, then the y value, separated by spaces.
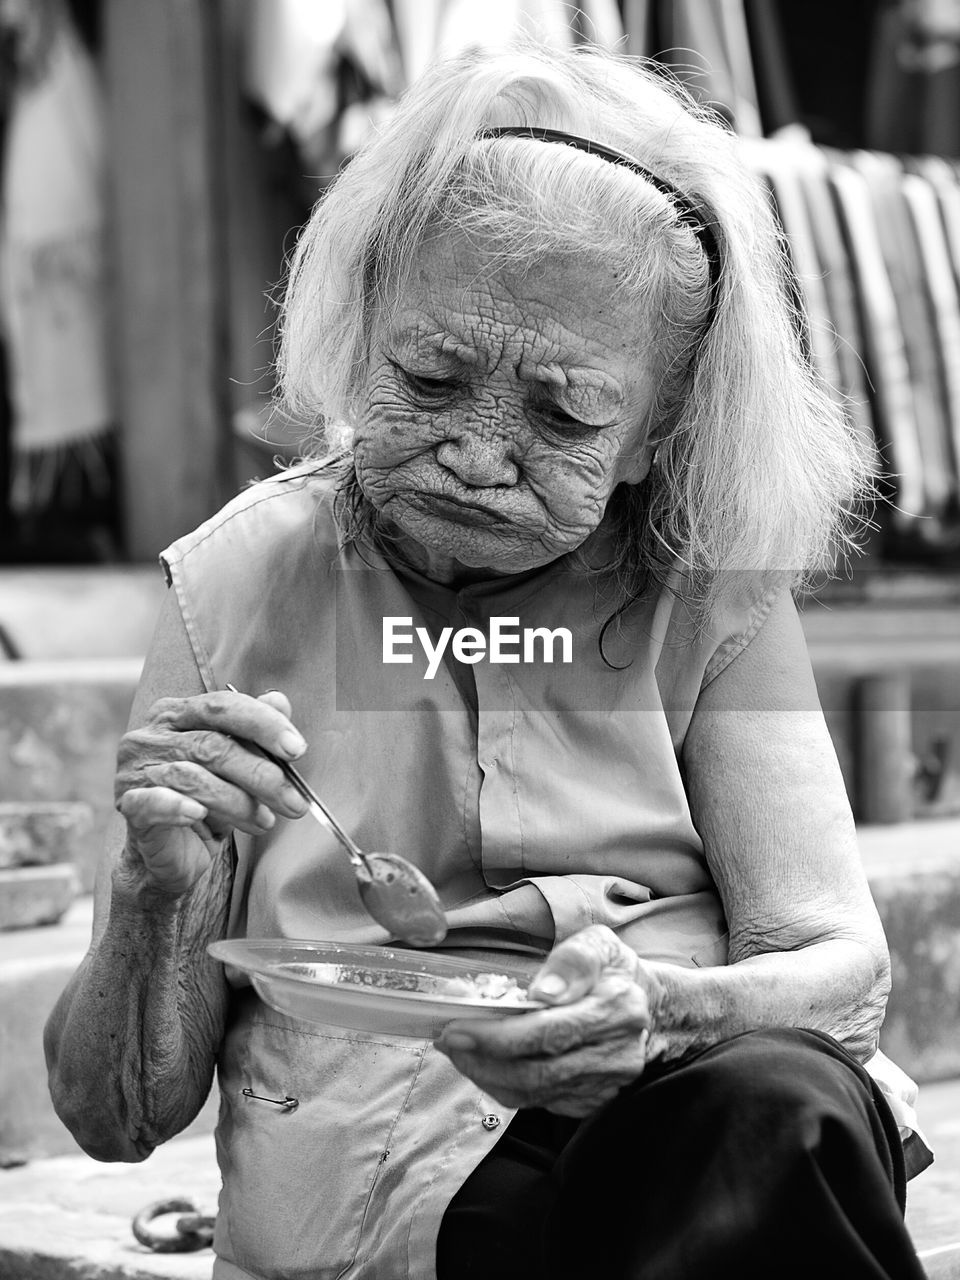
pixel 188 776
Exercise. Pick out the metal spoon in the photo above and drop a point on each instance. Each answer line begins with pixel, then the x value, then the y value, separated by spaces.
pixel 395 892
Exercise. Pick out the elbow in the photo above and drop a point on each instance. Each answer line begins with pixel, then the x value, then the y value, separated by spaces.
pixel 111 1151
pixel 109 1147
pixel 878 979
pixel 860 1034
pixel 82 1106
pixel 97 1131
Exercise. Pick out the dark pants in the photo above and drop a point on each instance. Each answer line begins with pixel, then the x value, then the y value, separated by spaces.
pixel 771 1156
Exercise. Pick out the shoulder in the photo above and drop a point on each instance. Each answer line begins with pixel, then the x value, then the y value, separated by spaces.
pixel 705 632
pixel 256 568
pixel 741 611
pixel 693 642
pixel 293 507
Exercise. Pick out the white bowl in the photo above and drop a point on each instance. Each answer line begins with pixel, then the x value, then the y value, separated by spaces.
pixel 409 993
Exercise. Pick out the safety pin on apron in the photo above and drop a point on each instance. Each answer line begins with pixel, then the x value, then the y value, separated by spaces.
pixel 288 1103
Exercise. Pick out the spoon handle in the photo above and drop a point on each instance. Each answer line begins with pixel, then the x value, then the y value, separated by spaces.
pixel 320 811
pixel 317 808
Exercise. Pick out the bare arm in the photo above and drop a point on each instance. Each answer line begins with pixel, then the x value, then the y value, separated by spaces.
pixel 806 945
pixel 131 1043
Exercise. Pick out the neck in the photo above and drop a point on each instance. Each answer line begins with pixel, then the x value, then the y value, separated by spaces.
pixel 435 565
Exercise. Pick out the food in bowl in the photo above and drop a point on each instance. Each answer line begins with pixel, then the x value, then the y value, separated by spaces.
pixel 486 987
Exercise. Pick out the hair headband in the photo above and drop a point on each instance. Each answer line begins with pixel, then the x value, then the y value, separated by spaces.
pixel 688 212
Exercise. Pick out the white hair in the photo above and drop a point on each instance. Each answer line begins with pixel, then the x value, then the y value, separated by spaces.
pixel 757 468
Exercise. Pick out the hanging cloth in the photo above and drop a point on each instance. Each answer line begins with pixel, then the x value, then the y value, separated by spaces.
pixel 945 179
pixel 597 22
pixel 781 166
pixel 913 89
pixel 418 24
pixel 884 348
pixel 640 25
pixel 775 89
pixel 52 272
pixel 707 44
pixel 941 289
pixel 736 42
pixel 555 23
pixel 839 286
pixel 288 55
pixel 904 262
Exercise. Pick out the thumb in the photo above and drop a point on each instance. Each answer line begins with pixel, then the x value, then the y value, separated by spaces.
pixel 575 966
pixel 279 701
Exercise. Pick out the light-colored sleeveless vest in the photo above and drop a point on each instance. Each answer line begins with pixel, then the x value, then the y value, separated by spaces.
pixel 539 797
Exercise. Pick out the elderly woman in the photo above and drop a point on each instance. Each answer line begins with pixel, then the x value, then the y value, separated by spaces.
pixel 544 311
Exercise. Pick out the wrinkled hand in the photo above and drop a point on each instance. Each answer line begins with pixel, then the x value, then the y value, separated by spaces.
pixel 188 777
pixel 577 1054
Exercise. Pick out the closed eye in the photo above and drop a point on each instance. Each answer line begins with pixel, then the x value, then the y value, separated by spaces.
pixel 559 421
pixel 425 386
pixel 560 416
pixel 430 386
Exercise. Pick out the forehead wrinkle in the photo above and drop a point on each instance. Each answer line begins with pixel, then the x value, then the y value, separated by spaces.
pixel 416 333
pixel 593 395
pixel 462 351
pixel 548 371
pixel 560 360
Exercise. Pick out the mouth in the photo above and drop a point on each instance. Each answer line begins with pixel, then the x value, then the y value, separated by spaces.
pixel 453 509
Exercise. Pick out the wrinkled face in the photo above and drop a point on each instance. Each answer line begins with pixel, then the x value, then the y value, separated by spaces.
pixel 502 408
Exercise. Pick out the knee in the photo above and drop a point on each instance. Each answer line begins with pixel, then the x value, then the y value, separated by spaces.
pixel 786 1080
pixel 773 1090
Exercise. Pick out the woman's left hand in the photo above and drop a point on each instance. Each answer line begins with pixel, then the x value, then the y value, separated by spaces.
pixel 576 1055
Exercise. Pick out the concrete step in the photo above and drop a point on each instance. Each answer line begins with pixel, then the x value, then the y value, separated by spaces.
pixel 35 966
pixel 31 896
pixel 68 1218
pixel 60 723
pixel 38 881
pixel 942 1263
pixel 55 613
pixel 914 872
pixel 40 832
pixel 933 1198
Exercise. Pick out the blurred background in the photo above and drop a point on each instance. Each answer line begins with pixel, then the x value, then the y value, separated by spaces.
pixel 157 158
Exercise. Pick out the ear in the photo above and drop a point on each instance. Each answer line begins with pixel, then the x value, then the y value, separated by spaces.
pixel 634 467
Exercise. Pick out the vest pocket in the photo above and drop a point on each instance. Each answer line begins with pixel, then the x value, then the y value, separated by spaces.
pixel 297 1179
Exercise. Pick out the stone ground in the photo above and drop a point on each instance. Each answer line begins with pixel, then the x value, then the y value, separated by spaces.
pixel 933 1198
pixel 68 1217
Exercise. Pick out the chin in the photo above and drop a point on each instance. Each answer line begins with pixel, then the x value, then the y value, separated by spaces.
pixel 501 564
pixel 473 549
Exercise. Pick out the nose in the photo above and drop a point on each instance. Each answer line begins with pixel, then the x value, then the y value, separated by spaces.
pixel 479 459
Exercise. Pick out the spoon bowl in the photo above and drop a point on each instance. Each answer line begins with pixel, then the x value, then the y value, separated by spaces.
pixel 394 892
pixel 401 898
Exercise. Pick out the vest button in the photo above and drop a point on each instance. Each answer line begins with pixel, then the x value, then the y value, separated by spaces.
pixel 490 1121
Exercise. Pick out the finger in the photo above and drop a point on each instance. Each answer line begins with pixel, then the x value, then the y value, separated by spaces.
pixel 575 965
pixel 589 1075
pixel 152 754
pixel 256 719
pixel 152 812
pixel 224 802
pixel 207 833
pixel 172 856
pixel 617 1008
pixel 532 1035
pixel 279 701
pixel 147 807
